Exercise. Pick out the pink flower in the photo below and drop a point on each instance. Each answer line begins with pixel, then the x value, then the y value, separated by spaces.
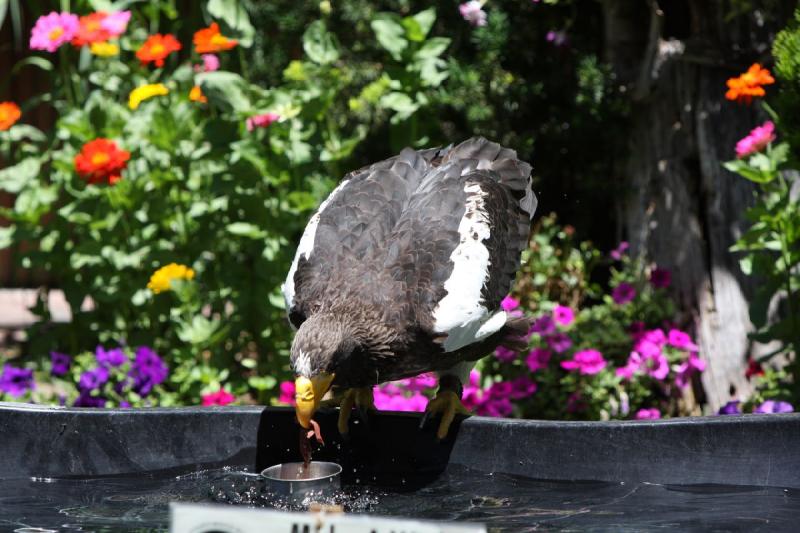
pixel 558 342
pixel 116 23
pixel 623 293
pixel 757 140
pixel 557 37
pixel 538 359
pixel 686 369
pixel 656 336
pixel 509 303
pixel 587 362
pixel 656 366
pixel 660 278
pixel 681 340
pixel 386 401
pixel 473 13
pixel 619 251
pixel 563 315
pixel 261 121
pixel 221 397
pixel 648 414
pixel 210 62
pixel 287 392
pixel 633 365
pixel 543 325
pixel 522 387
pixel 53 30
pixel 421 383
pixel 505 355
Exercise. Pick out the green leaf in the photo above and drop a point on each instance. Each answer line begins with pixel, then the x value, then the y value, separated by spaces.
pixel 320 45
pixel 262 382
pixel 7 236
pixel 245 229
pixel 401 104
pixel 418 26
pixel 432 48
pixel 14 179
pixel 22 131
pixel 233 15
pixel 225 90
pixel 390 34
pixel 746 171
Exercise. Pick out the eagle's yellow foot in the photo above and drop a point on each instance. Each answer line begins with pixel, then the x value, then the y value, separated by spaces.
pixel 361 398
pixel 448 403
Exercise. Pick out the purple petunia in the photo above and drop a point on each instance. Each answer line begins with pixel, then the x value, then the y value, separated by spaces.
pixel 147 371
pixel 774 406
pixel 87 400
pixel 623 293
pixel 686 369
pixel 559 342
pixel 110 358
pixel 93 379
pixel 60 363
pixel 522 387
pixel 16 381
pixel 505 355
pixel 543 325
pixel 730 408
pixel 538 359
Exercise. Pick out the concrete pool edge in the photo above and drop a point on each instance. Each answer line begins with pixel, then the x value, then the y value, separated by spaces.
pixel 761 450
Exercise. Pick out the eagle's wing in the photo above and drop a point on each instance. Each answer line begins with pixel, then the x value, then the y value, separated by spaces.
pixel 351 225
pixel 455 249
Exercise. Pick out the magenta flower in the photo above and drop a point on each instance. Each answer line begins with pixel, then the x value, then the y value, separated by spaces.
pixel 774 406
pixel 60 363
pixel 563 315
pixel 647 348
pixel 538 359
pixel 757 140
pixel 473 13
pixel 261 121
pixel 210 62
pixel 387 401
pixel 543 325
pixel 116 22
pixel 656 336
pixel 656 366
pixel 730 408
pixel 587 362
pixel 558 342
pixel 623 293
pixel 556 37
pixel 421 383
pixel 505 355
pixel 497 407
pixel 287 392
pixel 636 329
pixel 619 251
pixel 16 381
pixel 647 414
pixel 686 369
pixel 53 30
pixel 633 365
pixel 681 340
pixel 509 303
pixel 660 278
pixel 221 397
pixel 522 387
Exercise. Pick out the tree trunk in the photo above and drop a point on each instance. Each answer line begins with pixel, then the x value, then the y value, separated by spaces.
pixel 682 208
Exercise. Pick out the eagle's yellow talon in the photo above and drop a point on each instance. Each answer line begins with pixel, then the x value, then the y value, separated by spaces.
pixel 449 405
pixel 361 398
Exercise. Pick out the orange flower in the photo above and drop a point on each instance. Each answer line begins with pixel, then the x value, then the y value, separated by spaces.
pixel 90 30
pixel 156 48
pixel 210 40
pixel 749 85
pixel 101 161
pixel 196 95
pixel 9 115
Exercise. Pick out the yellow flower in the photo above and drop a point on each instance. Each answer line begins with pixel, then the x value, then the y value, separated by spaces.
pixel 196 95
pixel 104 49
pixel 162 278
pixel 140 94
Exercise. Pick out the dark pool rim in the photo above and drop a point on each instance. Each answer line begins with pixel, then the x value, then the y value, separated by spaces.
pixel 756 450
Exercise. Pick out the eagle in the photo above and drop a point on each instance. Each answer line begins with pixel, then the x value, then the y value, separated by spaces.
pixel 401 271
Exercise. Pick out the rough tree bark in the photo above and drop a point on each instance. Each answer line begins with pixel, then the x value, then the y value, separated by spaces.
pixel 682 208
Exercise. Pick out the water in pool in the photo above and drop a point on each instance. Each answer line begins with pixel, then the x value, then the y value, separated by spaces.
pixel 502 502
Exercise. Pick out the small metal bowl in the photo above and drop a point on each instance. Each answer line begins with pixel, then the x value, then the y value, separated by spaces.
pixel 295 481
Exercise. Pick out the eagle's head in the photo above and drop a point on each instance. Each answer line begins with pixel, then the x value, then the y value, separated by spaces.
pixel 320 347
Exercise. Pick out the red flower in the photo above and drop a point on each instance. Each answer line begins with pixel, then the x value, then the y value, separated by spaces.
pixel 210 40
pixel 156 48
pixel 754 368
pixel 9 115
pixel 221 397
pixel 90 30
pixel 749 85
pixel 101 161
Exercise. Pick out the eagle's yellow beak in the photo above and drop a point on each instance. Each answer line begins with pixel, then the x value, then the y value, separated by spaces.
pixel 308 393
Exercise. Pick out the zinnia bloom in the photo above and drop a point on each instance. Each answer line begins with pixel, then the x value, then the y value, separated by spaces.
pixel 563 315
pixel 210 40
pixel 473 13
pixel 210 63
pixel 9 115
pixel 261 121
pixel 104 49
pixel 156 48
pixel 116 23
pixel 623 293
pixel 196 95
pixel 91 30
pixel 101 161
pixel 749 85
pixel 221 397
pixel 756 140
pixel 140 94
pixel 53 30
pixel 162 278
pixel 587 362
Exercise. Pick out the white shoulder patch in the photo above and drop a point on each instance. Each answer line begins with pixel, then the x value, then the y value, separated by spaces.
pixel 461 313
pixel 530 202
pixel 306 246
